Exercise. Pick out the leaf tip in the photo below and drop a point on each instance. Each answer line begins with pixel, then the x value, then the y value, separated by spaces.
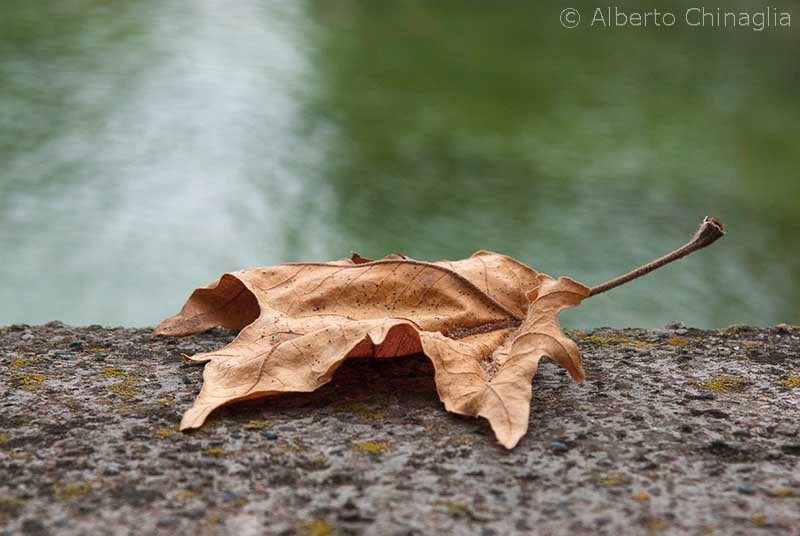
pixel 167 327
pixel 160 330
pixel 510 439
pixel 195 416
pixel 510 444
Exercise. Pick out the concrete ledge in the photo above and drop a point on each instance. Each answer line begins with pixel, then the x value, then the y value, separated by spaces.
pixel 675 431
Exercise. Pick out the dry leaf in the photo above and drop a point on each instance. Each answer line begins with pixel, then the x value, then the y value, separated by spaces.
pixel 485 322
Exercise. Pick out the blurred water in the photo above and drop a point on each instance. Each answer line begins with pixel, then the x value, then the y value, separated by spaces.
pixel 148 146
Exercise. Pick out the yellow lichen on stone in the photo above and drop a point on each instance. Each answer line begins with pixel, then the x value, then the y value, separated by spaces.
pixel 656 523
pixel 213 422
pixel 782 492
pixel 677 341
pixel 437 429
pixel 24 361
pixel 453 507
pixel 123 388
pixel 10 504
pixel 376 416
pixel 166 401
pixel 215 450
pixel 113 372
pixel 547 398
pixel 371 447
pixel 98 350
pixel 255 423
pixel 725 384
pixel 464 440
pixel 213 519
pixel 185 494
pixel 641 497
pixel 608 340
pixel 164 433
pixel 283 446
pixel 30 381
pixel 758 519
pixel 609 480
pixel 72 490
pixel 317 528
pixel 615 340
pixel 362 412
pixel 793 381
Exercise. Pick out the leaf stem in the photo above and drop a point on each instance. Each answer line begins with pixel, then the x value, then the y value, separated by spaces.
pixel 710 230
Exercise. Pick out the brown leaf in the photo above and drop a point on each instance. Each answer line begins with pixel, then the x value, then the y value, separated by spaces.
pixel 485 322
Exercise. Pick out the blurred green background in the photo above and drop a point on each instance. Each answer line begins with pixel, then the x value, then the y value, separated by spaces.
pixel 149 146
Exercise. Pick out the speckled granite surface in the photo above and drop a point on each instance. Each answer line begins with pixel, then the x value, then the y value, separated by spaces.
pixel 676 431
